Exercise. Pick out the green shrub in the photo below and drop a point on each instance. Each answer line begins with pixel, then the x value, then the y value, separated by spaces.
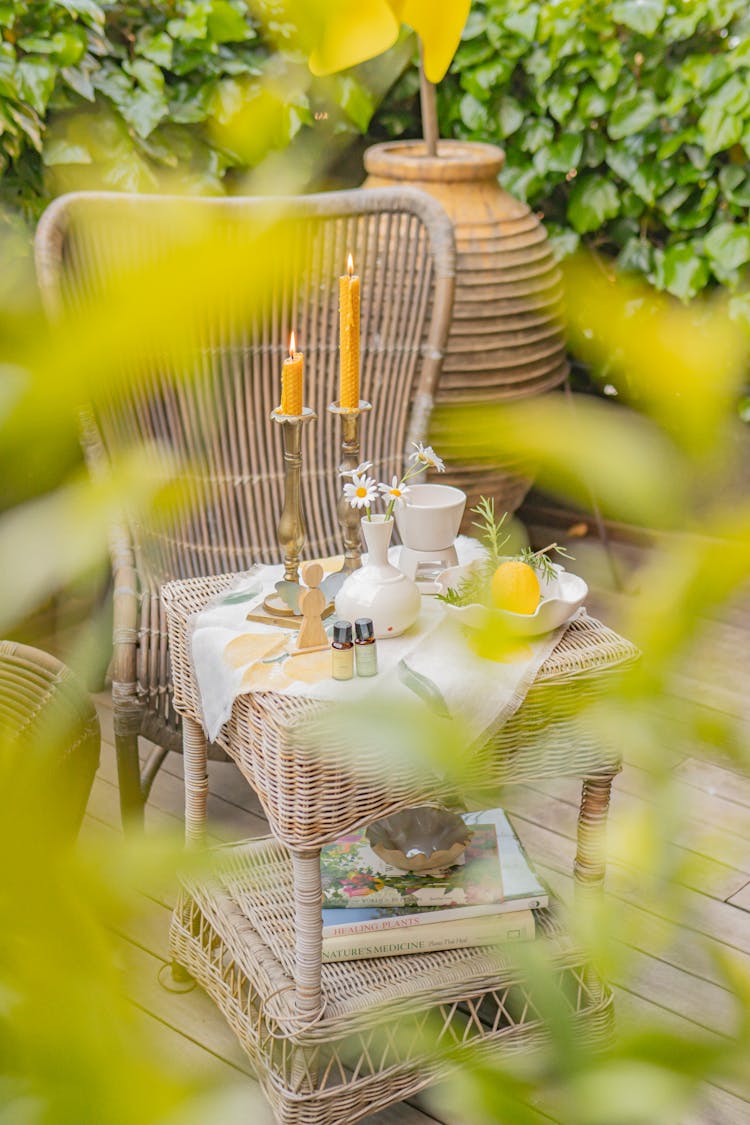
pixel 171 93
pixel 627 123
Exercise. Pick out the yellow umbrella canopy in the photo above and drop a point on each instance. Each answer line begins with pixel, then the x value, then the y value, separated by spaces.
pixel 338 34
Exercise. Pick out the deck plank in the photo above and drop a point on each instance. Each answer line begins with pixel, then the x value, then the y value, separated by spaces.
pixel 742 898
pixel 707 777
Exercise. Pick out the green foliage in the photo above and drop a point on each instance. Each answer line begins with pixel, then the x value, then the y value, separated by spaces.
pixel 140 97
pixel 627 123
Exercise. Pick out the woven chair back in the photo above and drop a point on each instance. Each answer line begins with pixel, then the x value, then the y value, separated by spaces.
pixel 49 736
pixel 210 400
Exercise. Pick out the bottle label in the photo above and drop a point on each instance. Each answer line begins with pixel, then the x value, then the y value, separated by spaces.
pixel 367 660
pixel 343 663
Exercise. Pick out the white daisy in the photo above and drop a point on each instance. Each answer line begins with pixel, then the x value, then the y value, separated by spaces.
pixel 358 472
pixel 395 492
pixel 427 456
pixel 361 491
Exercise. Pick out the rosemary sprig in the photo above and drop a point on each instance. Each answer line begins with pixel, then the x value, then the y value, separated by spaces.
pixel 541 561
pixel 490 529
pixel 475 587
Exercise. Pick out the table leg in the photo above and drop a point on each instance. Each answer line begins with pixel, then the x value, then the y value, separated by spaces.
pixel 591 853
pixel 308 924
pixel 195 752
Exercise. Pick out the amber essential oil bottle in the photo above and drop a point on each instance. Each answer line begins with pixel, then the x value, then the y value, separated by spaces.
pixel 365 648
pixel 343 651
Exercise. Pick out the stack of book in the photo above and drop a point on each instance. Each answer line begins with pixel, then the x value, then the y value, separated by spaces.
pixel 371 909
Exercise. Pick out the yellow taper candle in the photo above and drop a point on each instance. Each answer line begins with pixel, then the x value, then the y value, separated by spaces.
pixel 349 337
pixel 291 381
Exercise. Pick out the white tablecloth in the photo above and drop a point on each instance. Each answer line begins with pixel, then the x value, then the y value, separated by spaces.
pixel 433 661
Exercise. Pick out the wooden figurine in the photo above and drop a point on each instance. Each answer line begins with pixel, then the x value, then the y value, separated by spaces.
pixel 312 636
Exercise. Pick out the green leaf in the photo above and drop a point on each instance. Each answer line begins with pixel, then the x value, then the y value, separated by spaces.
pixel 681 25
pixel 155 46
pixel 356 101
pixel 36 81
pixel 92 13
pixel 539 65
pixel 593 102
pixel 674 199
pixel 511 116
pixel 674 142
pixel 190 104
pixel 539 131
pixel 720 130
pixel 735 184
pixel 606 73
pixel 729 245
pixel 143 111
pixel 560 100
pixel 523 22
pixel 28 122
pixel 636 256
pixel 148 76
pixel 194 26
pixel 58 150
pixel 486 78
pixel 633 115
pixel 426 689
pixel 564 243
pixel 643 16
pixel 36 45
pixel 560 156
pixel 733 96
pixel 475 24
pixel 592 201
pixel 79 80
pixel 226 24
pixel 473 113
pixel 471 53
pixel 681 271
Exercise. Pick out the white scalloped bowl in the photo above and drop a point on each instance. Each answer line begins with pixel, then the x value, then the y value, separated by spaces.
pixel 561 598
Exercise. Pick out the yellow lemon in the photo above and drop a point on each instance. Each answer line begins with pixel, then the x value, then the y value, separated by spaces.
pixel 515 587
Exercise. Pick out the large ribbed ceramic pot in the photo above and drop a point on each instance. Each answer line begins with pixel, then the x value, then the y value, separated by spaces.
pixel 507 336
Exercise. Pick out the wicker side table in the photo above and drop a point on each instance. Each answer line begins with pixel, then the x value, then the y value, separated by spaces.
pixel 334 1042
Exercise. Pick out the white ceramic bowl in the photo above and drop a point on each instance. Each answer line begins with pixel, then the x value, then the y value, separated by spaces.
pixel 561 597
pixel 430 517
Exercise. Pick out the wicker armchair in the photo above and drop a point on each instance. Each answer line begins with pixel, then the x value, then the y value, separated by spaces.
pixel 47 716
pixel 403 245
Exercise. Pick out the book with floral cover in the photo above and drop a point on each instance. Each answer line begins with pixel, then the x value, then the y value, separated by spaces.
pixel 361 893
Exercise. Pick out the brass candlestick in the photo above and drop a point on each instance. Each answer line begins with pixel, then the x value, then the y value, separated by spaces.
pixel 291 530
pixel 349 517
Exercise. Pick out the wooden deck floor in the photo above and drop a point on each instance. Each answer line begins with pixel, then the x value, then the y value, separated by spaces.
pixel 676 979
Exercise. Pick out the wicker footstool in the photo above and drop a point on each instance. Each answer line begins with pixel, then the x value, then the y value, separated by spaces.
pixel 333 1043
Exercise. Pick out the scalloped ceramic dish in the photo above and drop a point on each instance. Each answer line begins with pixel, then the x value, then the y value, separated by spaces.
pixel 561 598
pixel 424 840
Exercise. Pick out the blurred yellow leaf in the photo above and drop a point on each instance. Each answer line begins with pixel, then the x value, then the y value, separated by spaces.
pixel 637 474
pixel 685 365
pixel 337 34
pixel 47 542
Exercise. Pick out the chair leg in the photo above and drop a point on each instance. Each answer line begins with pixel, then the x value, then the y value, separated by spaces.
pixel 591 853
pixel 132 801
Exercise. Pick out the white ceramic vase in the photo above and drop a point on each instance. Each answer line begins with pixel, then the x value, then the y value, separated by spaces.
pixel 378 589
